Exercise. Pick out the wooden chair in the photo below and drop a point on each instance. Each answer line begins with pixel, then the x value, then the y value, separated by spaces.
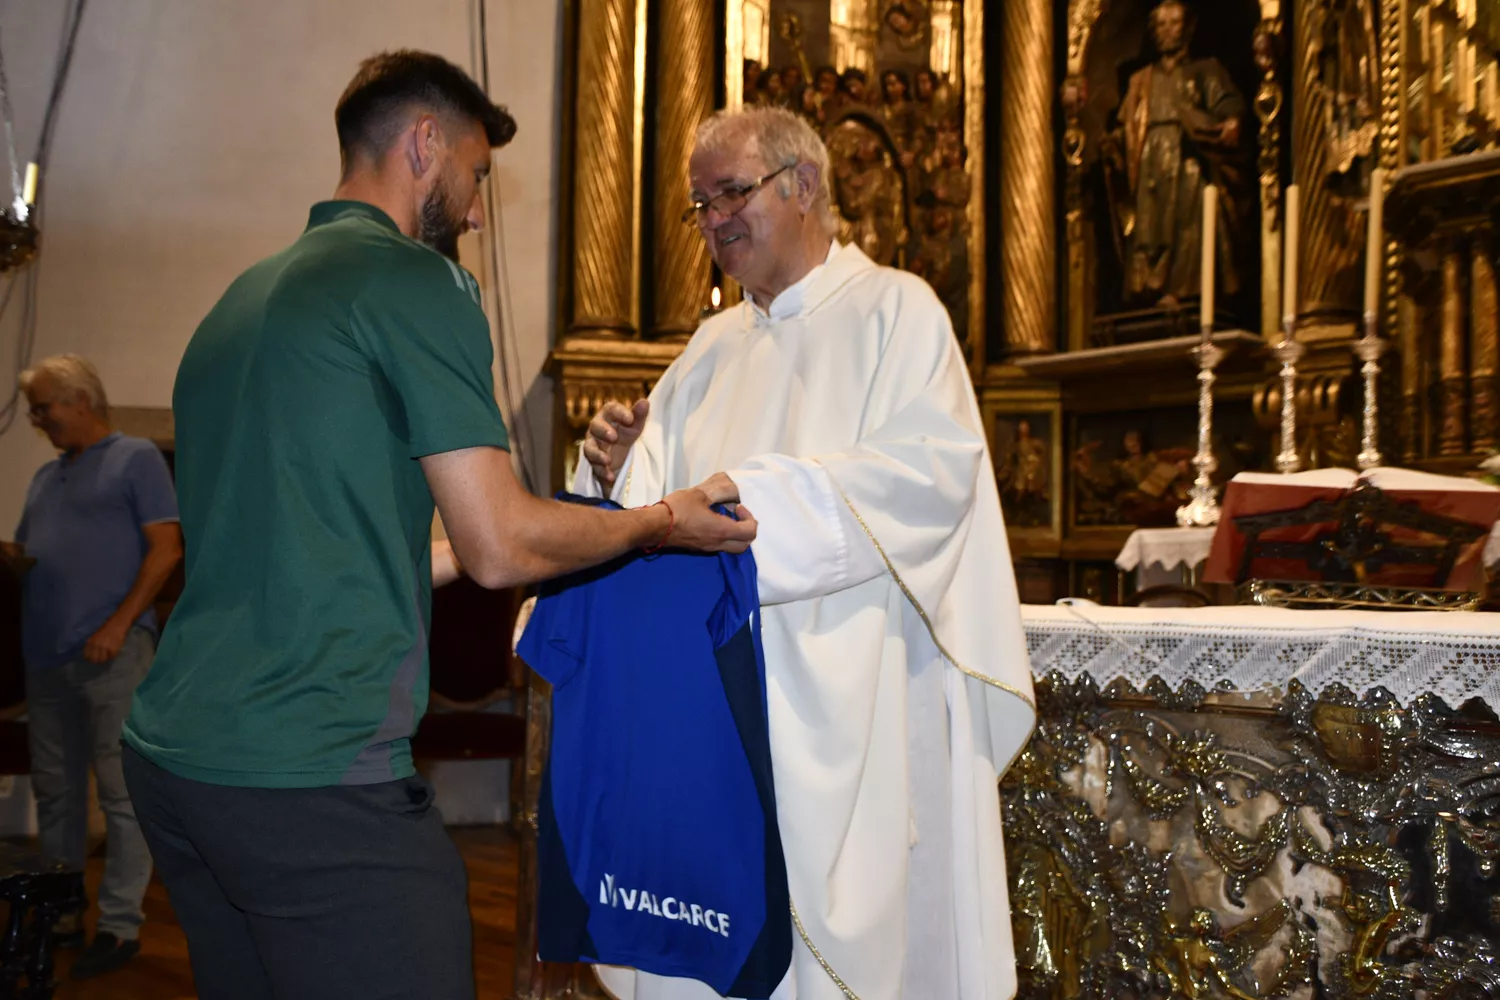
pixel 15 758
pixel 36 891
pixel 472 670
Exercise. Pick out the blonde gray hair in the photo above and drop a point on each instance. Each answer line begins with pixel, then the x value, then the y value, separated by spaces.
pixel 782 139
pixel 74 375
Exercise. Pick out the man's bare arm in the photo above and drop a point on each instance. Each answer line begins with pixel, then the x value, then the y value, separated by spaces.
pixel 445 565
pixel 505 537
pixel 163 553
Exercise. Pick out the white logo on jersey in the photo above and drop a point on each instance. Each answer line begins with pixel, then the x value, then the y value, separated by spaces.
pixel 670 908
pixel 465 281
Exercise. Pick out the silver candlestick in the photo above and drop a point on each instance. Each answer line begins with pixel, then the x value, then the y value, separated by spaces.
pixel 1288 352
pixel 1368 349
pixel 1202 508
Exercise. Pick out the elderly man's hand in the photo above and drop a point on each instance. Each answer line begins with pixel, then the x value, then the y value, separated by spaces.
pixel 105 644
pixel 719 488
pixel 611 433
pixel 702 529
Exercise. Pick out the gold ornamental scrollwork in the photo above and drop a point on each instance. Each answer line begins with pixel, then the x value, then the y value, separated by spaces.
pixel 581 400
pixel 1269 101
pixel 1326 436
pixel 590 372
pixel 1200 960
pixel 1356 789
pixel 1082 16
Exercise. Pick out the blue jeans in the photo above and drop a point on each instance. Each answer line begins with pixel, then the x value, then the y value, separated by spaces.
pixel 76 712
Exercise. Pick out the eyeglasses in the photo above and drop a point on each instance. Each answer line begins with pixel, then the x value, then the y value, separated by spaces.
pixel 730 201
pixel 39 411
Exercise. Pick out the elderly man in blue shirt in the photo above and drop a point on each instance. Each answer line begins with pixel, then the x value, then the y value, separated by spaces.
pixel 101 522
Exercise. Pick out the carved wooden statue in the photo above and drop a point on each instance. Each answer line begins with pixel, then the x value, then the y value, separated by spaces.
pixel 1180 129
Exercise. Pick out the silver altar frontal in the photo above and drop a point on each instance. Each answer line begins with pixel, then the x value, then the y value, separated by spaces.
pixel 1256 802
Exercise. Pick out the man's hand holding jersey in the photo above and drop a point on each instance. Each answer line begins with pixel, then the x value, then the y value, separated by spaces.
pixel 503 536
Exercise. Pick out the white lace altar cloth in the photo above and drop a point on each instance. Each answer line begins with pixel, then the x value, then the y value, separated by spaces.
pixel 1168 548
pixel 1452 654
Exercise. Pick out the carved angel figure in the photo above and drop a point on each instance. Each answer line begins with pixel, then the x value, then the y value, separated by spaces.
pixel 1199 961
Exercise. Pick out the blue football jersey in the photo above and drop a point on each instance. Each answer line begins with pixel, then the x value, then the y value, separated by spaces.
pixel 658 846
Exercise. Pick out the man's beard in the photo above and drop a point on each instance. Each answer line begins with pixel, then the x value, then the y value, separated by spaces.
pixel 440 225
pixel 1170 46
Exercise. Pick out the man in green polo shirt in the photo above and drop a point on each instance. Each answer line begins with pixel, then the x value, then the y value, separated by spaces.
pixel 335 393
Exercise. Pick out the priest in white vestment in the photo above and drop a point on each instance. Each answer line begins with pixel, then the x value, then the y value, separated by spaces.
pixel 898 686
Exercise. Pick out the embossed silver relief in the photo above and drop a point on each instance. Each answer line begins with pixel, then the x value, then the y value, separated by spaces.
pixel 1179 846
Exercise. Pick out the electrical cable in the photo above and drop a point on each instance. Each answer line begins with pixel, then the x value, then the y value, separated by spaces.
pixel 26 338
pixel 500 280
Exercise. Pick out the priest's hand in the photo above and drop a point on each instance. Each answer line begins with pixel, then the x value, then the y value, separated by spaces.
pixel 719 488
pixel 611 433
pixel 696 525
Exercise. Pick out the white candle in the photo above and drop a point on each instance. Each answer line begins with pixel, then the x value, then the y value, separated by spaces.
pixel 1206 269
pixel 29 195
pixel 1375 243
pixel 1289 258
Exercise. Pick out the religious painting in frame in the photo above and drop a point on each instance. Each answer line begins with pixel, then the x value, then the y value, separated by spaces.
pixel 1133 469
pixel 895 88
pixel 1026 441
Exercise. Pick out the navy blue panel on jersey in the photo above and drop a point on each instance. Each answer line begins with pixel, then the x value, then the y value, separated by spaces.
pixel 658 846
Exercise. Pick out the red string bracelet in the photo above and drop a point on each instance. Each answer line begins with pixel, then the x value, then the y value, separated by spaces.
pixel 671 524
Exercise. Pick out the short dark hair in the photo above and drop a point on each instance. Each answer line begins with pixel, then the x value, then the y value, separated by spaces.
pixel 387 85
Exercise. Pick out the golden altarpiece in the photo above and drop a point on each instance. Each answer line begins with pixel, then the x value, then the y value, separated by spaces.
pixel 1162 841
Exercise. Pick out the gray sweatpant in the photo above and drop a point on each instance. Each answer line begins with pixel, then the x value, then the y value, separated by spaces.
pixel 75 713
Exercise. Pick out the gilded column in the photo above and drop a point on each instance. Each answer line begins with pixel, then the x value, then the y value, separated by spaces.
pixel 1028 252
pixel 603 178
pixel 853 32
pixel 1397 310
pixel 1484 347
pixel 1408 327
pixel 971 40
pixel 685 90
pixel 1082 15
pixel 1451 373
pixel 1332 235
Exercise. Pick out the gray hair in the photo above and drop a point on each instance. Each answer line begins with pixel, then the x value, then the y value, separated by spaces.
pixel 75 376
pixel 782 139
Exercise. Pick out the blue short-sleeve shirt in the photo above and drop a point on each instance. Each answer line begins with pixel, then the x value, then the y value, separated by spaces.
pixel 82 523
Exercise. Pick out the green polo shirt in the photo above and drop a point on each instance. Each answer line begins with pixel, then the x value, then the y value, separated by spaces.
pixel 297 656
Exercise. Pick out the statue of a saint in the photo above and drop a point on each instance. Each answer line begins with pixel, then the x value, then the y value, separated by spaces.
pixel 900 114
pixel 1348 79
pixel 1179 130
pixel 868 191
